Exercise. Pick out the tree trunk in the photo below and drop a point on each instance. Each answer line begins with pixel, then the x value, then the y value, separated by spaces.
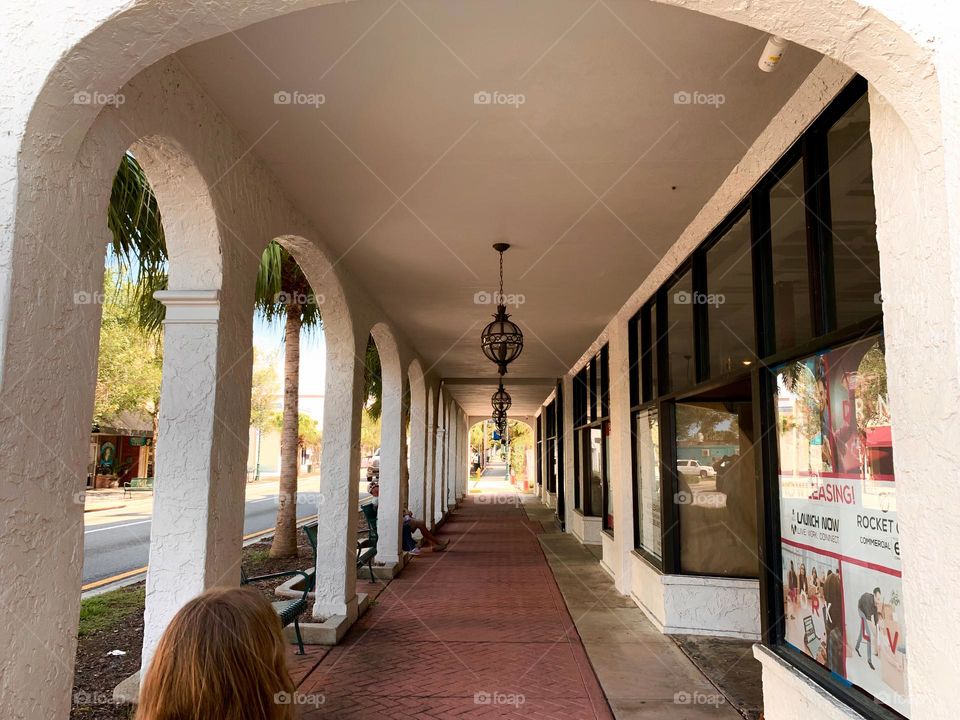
pixel 285 537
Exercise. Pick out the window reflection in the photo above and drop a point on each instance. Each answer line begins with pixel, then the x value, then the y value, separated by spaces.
pixel 791 284
pixel 596 471
pixel 853 216
pixel 729 300
pixel 716 495
pixel 679 331
pixel 648 482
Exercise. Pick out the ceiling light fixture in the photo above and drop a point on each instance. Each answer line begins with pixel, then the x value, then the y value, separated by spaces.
pixel 501 340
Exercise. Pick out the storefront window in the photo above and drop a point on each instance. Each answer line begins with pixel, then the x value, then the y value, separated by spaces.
pixel 650 357
pixel 647 429
pixel 596 476
pixel 608 495
pixel 853 216
pixel 729 300
pixel 717 489
pixel 843 600
pixel 679 332
pixel 791 283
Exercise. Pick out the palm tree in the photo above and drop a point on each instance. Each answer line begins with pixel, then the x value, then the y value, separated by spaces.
pixel 284 293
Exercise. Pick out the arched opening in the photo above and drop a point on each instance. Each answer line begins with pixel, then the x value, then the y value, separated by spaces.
pixel 914 134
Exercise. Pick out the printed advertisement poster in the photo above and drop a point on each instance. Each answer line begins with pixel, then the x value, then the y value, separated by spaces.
pixel 839 535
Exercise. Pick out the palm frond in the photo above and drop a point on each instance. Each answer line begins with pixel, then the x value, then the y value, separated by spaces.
pixel 138 242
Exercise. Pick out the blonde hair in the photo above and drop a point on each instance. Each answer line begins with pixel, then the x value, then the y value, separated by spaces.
pixel 222 656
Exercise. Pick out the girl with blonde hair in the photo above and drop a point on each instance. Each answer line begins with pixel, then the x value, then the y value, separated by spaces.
pixel 222 656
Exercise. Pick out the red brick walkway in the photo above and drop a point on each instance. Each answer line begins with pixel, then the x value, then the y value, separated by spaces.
pixel 480 630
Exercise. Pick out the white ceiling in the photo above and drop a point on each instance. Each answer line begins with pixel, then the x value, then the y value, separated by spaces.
pixel 591 179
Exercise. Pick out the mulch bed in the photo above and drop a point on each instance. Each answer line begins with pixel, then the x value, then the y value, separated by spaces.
pixel 97 672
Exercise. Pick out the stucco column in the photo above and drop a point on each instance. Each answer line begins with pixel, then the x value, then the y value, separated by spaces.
pixel 453 445
pixel 440 448
pixel 566 437
pixel 620 462
pixel 429 466
pixel 418 453
pixel 392 441
pixel 919 258
pixel 336 585
pixel 198 502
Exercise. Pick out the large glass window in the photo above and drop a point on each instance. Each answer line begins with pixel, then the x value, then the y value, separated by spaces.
pixel 842 590
pixel 791 282
pixel 853 216
pixel 650 357
pixel 717 489
pixel 597 470
pixel 729 300
pixel 679 333
pixel 647 438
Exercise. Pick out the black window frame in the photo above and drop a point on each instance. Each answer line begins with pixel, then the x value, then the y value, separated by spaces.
pixel 649 394
pixel 591 393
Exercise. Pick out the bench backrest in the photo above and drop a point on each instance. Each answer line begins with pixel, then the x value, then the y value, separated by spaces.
pixel 311 530
pixel 142 482
pixel 370 515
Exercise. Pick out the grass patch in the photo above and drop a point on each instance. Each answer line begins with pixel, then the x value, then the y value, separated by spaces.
pixel 256 557
pixel 106 610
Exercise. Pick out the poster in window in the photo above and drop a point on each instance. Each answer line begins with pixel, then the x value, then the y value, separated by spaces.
pixel 843 601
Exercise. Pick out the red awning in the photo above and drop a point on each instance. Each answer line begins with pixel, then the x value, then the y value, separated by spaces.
pixel 879 437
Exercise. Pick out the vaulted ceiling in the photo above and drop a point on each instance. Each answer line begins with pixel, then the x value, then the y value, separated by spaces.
pixel 590 163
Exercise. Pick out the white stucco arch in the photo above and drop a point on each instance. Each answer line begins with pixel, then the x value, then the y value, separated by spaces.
pixel 393 438
pixel 418 438
pixel 51 161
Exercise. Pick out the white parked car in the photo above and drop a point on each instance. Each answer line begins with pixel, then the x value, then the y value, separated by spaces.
pixel 692 467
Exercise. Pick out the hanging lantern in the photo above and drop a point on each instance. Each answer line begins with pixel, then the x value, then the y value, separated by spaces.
pixel 501 340
pixel 501 399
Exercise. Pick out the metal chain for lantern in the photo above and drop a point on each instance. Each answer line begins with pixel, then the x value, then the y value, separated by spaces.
pixel 501 340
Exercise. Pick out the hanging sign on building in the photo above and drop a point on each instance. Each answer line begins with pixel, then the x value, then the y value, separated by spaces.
pixel 840 543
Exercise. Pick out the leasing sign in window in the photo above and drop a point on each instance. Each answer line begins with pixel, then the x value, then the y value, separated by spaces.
pixel 843 602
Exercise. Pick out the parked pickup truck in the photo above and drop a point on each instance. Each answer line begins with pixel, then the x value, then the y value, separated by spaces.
pixel 692 467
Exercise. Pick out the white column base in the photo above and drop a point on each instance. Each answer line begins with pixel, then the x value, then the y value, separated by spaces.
pixel 694 605
pixel 788 694
pixel 585 529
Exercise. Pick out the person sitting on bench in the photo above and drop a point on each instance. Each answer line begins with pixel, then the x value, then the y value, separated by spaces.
pixel 411 524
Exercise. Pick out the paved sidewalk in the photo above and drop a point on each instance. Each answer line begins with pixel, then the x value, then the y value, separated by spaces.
pixel 480 630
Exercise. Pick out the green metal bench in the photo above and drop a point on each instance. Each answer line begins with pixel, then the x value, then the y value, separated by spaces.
pixel 144 484
pixel 366 542
pixel 289 611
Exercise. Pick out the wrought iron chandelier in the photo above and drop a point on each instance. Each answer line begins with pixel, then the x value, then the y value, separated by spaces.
pixel 501 340
pixel 501 400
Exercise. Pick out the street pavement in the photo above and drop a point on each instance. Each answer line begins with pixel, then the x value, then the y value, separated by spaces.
pixel 117 537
